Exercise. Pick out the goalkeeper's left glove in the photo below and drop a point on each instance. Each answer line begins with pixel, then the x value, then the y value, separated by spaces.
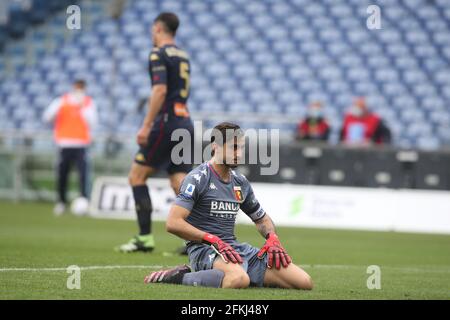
pixel 275 251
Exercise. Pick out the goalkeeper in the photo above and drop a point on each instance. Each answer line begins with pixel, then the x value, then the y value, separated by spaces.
pixel 204 214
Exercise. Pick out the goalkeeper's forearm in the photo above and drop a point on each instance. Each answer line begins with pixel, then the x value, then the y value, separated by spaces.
pixel 177 225
pixel 184 230
pixel 265 226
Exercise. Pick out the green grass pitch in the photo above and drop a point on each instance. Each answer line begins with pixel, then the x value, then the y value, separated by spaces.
pixel 36 248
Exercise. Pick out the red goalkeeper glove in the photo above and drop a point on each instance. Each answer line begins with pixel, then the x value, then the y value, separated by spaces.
pixel 275 251
pixel 223 249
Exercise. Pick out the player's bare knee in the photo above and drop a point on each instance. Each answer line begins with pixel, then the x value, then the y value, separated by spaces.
pixel 311 284
pixel 239 280
pixel 245 281
pixel 308 283
pixel 304 283
pixel 135 178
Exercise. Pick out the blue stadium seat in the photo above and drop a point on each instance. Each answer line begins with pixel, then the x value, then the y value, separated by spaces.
pixel 260 57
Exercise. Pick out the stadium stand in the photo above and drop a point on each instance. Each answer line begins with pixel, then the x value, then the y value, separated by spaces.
pixel 16 16
pixel 261 62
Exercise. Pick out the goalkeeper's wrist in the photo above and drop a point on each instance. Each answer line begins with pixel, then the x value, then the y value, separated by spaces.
pixel 210 238
pixel 271 235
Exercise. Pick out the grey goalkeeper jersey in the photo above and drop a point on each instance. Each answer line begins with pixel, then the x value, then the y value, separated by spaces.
pixel 214 203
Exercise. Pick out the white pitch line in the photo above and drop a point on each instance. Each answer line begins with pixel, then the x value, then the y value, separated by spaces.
pixel 316 266
pixel 83 268
pixel 432 269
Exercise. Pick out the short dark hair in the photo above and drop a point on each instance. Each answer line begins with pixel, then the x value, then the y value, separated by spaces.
pixel 222 129
pixel 80 83
pixel 170 22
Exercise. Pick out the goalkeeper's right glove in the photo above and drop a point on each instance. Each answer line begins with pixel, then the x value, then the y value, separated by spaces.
pixel 223 249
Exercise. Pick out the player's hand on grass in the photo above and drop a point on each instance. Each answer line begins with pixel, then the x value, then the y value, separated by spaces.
pixel 275 251
pixel 142 135
pixel 223 249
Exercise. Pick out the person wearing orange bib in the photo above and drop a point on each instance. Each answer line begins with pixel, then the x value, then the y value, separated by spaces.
pixel 73 116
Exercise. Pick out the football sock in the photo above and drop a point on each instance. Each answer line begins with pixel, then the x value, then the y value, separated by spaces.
pixel 205 278
pixel 143 209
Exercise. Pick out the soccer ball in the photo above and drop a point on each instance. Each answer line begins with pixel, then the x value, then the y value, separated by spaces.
pixel 80 206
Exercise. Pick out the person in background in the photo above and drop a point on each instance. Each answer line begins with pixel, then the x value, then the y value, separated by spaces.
pixel 362 127
pixel 314 127
pixel 167 112
pixel 73 116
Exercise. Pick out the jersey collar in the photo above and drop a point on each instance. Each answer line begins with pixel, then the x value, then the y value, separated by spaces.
pixel 217 175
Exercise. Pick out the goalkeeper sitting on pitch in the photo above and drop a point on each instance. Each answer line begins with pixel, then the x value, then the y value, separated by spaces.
pixel 204 214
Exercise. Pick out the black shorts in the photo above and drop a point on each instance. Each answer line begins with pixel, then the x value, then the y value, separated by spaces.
pixel 157 152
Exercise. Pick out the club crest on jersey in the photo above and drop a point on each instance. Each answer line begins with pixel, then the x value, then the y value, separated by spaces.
pixel 238 193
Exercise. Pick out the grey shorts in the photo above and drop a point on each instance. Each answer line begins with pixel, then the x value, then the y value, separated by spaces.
pixel 202 257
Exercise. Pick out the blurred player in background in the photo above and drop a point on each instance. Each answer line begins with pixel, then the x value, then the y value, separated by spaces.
pixel 363 127
pixel 73 115
pixel 204 214
pixel 314 127
pixel 167 111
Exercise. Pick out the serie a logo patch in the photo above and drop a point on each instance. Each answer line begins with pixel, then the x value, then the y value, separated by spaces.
pixel 189 189
pixel 238 193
